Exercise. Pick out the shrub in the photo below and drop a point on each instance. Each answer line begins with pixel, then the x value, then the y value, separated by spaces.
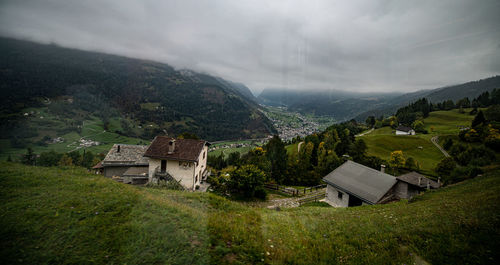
pixel 448 144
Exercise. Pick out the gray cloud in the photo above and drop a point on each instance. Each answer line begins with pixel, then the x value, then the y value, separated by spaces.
pixel 322 44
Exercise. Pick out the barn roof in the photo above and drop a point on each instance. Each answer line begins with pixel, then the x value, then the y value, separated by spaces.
pixel 185 149
pixel 368 184
pixel 126 155
pixel 403 128
pixel 98 165
pixel 412 178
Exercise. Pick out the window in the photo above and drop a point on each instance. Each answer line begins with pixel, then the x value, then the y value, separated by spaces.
pixel 203 154
pixel 339 195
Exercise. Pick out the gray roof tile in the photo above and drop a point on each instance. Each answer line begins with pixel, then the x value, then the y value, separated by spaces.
pixel 128 155
pixel 363 182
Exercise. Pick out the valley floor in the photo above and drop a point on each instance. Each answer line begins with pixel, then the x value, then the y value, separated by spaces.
pixel 62 216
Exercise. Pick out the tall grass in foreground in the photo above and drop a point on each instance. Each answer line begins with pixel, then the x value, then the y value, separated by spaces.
pixel 62 216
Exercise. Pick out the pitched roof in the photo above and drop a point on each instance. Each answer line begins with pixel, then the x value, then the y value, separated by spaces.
pixel 412 178
pixel 403 128
pixel 363 182
pixel 98 165
pixel 185 149
pixel 131 155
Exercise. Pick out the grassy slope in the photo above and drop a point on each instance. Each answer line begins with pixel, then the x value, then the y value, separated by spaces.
pixel 381 142
pixel 51 215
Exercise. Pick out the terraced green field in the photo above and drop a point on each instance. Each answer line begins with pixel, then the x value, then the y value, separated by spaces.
pixel 53 126
pixel 68 216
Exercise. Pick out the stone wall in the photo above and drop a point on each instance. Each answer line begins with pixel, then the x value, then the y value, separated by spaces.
pixel 332 197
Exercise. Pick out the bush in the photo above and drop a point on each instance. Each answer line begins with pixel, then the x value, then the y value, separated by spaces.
pixel 260 193
pixel 246 180
pixel 448 144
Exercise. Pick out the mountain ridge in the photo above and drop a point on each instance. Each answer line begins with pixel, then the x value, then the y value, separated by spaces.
pixel 183 100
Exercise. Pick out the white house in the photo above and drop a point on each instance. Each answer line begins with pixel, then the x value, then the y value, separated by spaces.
pixel 353 184
pixel 184 160
pixel 403 130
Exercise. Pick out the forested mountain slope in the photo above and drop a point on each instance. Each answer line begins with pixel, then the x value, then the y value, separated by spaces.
pixel 140 90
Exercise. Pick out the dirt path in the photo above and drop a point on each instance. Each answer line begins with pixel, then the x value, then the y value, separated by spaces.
pixel 365 133
pixel 435 140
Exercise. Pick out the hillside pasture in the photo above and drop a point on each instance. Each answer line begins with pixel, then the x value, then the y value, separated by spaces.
pixel 447 122
pixel 427 157
pixel 67 216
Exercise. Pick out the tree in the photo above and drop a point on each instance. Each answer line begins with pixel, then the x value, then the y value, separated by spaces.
pixel 357 150
pixel 9 159
pixel 87 159
pixel 327 161
pixel 29 158
pixel 233 159
pixel 247 181
pixel 448 144
pixel 478 120
pixel 49 159
pixel 418 126
pixel 445 167
pixel 410 163
pixel 276 153
pixel 397 159
pixel 370 121
pixel 65 161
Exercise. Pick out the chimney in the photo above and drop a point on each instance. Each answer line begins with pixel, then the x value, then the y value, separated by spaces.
pixel 382 168
pixel 439 181
pixel 419 181
pixel 171 146
pixel 118 151
pixel 428 185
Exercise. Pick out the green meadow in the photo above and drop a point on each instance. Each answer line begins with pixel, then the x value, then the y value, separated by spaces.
pixel 68 216
pixel 381 142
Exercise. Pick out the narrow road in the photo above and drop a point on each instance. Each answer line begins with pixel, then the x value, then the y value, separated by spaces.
pixel 365 133
pixel 435 140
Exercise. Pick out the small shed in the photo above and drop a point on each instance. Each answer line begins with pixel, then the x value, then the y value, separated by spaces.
pixel 403 130
pixel 353 184
pixel 413 183
pixel 121 157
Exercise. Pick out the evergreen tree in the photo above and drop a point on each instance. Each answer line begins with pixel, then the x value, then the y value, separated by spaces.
pixel 276 153
pixel 65 161
pixel 29 158
pixel 478 120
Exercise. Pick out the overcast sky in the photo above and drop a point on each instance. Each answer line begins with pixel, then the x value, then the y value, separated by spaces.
pixel 344 45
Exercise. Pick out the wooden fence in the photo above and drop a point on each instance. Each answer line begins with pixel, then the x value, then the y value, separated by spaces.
pixel 314 198
pixel 312 189
pixel 293 191
pixel 284 189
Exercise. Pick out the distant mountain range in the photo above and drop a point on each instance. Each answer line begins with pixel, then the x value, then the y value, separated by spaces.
pixel 340 105
pixel 182 100
pixel 454 92
pixel 343 105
